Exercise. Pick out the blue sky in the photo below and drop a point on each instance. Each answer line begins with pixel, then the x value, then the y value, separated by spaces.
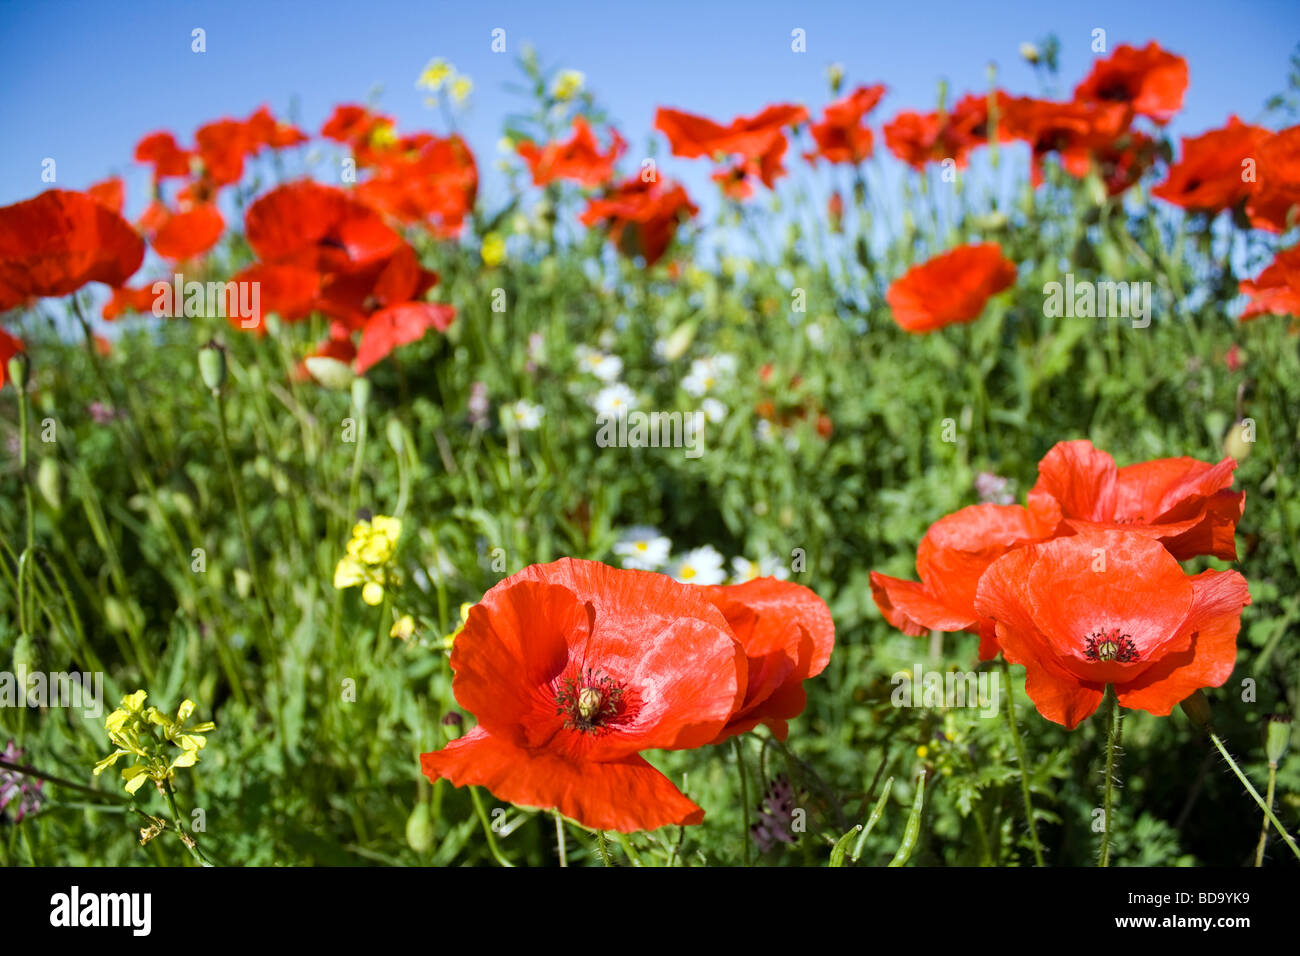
pixel 81 81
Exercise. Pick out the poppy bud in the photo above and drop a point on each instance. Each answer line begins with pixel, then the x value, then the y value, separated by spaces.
pixel 835 76
pixel 1029 53
pixel 1236 443
pixel 452 723
pixel 360 392
pixel 49 481
pixel 1279 736
pixel 1197 709
pixel 212 365
pixel 330 372
pixel 419 828
pixel 19 366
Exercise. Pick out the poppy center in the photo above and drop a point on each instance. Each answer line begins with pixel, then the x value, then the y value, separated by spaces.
pixel 1112 645
pixel 590 702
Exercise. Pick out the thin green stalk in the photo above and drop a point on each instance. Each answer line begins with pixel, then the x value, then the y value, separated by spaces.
pixel 1268 811
pixel 487 828
pixel 24 620
pixel 559 839
pixel 744 797
pixel 1268 802
pixel 1114 730
pixel 602 847
pixel 1024 767
pixel 165 788
pixel 245 529
pixel 628 848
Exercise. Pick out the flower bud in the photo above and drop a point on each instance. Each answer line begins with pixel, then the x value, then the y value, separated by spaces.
pixel 360 392
pixel 212 365
pixel 19 366
pixel 1279 736
pixel 49 481
pixel 419 828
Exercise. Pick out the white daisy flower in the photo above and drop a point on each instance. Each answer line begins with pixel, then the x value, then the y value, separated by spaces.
pixel 768 566
pixel 707 373
pixel 643 548
pixel 616 399
pixel 524 415
pixel 713 409
pixel 607 368
pixel 700 566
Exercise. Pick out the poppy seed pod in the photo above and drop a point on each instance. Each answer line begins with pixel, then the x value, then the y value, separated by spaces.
pixel 360 392
pixel 19 366
pixel 1278 738
pixel 212 365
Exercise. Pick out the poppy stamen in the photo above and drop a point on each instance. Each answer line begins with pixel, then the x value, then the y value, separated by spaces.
pixel 1111 645
pixel 589 703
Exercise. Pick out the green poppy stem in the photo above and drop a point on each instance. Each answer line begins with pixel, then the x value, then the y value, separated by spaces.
pixel 1268 811
pixel 1268 802
pixel 744 798
pixel 559 838
pixel 487 828
pixel 1114 730
pixel 1024 766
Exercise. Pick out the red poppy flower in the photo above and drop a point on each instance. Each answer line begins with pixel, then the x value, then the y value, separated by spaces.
pixel 110 193
pixel 1150 81
pixel 60 240
pixel 290 292
pixel 949 288
pixel 9 347
pixel 1111 608
pixel 1277 187
pixel 400 325
pixel 353 294
pixel 642 216
pixel 1209 177
pixel 1073 131
pixel 316 227
pixel 572 669
pixel 921 138
pixel 578 158
pixel 787 634
pixel 352 124
pixel 126 299
pixel 1123 162
pixel 161 151
pixel 263 130
pixel 222 146
pixel 188 234
pixel 1182 502
pixel 433 185
pixel 692 136
pixel 841 136
pixel 1277 289
pixel 954 553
